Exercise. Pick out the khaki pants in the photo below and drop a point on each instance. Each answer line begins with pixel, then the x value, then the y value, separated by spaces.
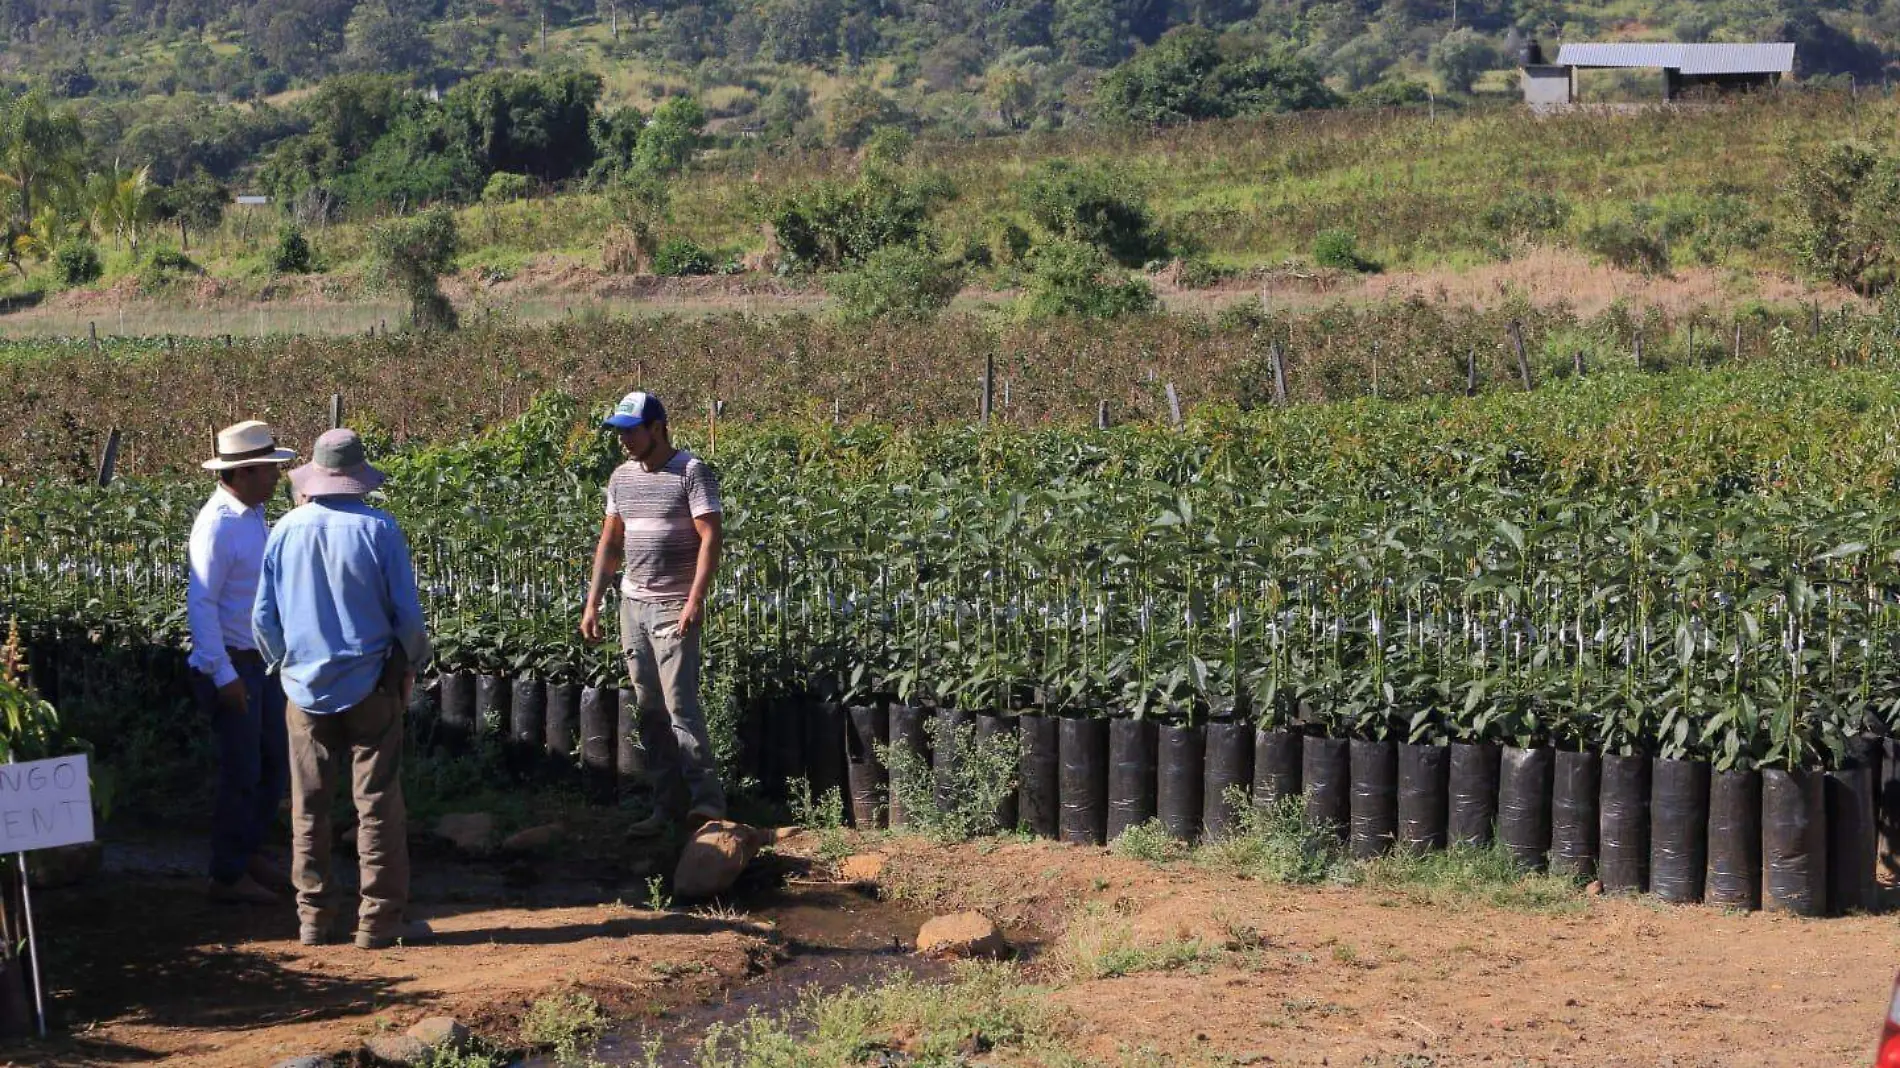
pixel 664 664
pixel 368 739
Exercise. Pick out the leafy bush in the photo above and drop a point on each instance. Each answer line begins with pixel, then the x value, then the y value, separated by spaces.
pixel 1071 278
pixel 76 263
pixel 504 187
pixel 680 257
pixel 827 225
pixel 1628 244
pixel 413 253
pixel 1523 214
pixel 1339 249
pixel 1187 75
pixel 1009 243
pixel 1392 93
pixel 1846 201
pixel 965 804
pixel 163 266
pixel 901 282
pixel 292 253
pixel 1093 205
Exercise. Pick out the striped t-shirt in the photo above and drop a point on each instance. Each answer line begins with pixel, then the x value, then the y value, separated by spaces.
pixel 658 508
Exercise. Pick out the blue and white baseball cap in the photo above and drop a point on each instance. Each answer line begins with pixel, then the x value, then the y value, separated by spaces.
pixel 636 409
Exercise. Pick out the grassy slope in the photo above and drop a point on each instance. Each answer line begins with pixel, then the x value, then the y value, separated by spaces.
pixel 1412 187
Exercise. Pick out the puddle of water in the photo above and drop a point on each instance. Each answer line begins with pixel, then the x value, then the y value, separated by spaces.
pixel 836 937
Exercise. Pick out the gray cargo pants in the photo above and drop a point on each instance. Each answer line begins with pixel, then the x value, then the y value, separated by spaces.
pixel 664 663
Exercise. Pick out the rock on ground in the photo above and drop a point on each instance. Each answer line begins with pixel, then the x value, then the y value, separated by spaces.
pixel 863 868
pixel 534 838
pixel 470 832
pixel 441 1032
pixel 715 855
pixel 960 936
pixel 399 1051
pixel 312 1061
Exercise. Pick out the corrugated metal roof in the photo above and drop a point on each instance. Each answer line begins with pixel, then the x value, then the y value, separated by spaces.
pixel 1687 58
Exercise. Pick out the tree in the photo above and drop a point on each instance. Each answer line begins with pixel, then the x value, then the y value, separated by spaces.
pixel 40 157
pixel 197 204
pixel 534 124
pixel 1846 201
pixel 1186 76
pixel 858 112
pixel 1012 92
pixel 412 254
pixel 1460 58
pixel 1071 278
pixel 670 138
pixel 387 41
pixel 898 282
pixel 122 202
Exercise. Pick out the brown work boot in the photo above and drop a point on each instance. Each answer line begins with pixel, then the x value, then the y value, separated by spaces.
pixel 244 891
pixel 408 933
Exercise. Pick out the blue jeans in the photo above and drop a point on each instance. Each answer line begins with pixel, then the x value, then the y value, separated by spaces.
pixel 253 764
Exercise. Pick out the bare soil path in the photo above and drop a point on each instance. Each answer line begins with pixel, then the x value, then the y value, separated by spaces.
pixel 147 972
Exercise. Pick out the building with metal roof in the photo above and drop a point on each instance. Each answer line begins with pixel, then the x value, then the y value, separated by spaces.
pixel 1685 67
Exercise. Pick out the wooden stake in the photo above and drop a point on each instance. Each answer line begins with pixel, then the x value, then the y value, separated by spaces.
pixel 1523 361
pixel 989 387
pixel 1471 371
pixel 336 410
pixel 109 457
pixel 1174 405
pixel 1101 415
pixel 1279 374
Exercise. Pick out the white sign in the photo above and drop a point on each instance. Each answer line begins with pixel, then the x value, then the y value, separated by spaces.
pixel 45 803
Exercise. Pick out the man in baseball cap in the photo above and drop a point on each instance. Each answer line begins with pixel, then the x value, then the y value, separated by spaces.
pixel 244 704
pixel 663 524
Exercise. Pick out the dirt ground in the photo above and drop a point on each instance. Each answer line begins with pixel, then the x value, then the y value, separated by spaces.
pixel 145 971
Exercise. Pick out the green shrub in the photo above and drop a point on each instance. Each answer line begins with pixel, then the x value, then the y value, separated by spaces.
pixel 292 253
pixel 1846 201
pixel 1095 205
pixel 76 263
pixel 680 257
pixel 827 225
pixel 1522 214
pixel 1627 244
pixel 1392 93
pixel 1339 249
pixel 1072 278
pixel 965 804
pixel 504 187
pixel 413 253
pixel 163 266
pixel 1009 243
pixel 901 282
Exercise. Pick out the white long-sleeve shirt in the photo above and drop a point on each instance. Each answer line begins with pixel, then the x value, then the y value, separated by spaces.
pixel 226 554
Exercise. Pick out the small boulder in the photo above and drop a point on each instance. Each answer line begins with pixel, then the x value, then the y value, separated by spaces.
pixel 441 1032
pixel 1595 889
pixel 715 855
pixel 961 936
pixel 863 868
pixel 396 1051
pixel 314 1060
pixel 534 839
pixel 470 832
pixel 70 865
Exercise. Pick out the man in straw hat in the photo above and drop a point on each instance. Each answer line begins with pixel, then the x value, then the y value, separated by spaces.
pixel 338 617
pixel 663 521
pixel 245 706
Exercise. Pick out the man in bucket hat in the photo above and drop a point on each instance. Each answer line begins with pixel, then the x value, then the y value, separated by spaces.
pixel 663 522
pixel 245 706
pixel 338 617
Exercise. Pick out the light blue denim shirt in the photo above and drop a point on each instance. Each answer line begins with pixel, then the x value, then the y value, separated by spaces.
pixel 337 588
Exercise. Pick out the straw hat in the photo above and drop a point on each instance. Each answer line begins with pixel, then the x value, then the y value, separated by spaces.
pixel 247 444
